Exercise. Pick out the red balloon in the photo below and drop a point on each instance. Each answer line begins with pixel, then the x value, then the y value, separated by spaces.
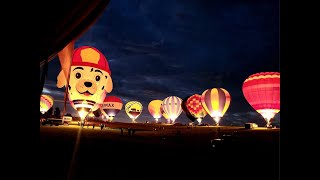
pixel 111 106
pixel 262 91
pixel 195 107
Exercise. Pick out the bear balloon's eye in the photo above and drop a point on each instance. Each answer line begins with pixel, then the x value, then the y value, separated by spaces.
pixel 78 75
pixel 97 78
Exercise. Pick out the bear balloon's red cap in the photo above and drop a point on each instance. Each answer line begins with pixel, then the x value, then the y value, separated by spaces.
pixel 90 56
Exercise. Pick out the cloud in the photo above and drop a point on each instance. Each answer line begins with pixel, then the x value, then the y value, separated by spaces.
pixel 51 88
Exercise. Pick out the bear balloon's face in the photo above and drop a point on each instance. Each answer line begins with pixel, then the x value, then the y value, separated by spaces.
pixel 88 83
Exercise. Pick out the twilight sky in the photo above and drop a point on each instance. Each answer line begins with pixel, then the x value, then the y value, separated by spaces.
pixel 161 48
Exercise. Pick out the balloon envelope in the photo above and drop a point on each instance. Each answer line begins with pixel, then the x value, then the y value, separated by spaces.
pixel 154 108
pixel 195 107
pixel 172 106
pixel 262 91
pixel 46 102
pixel 111 106
pixel 90 79
pixel 216 101
pixel 133 109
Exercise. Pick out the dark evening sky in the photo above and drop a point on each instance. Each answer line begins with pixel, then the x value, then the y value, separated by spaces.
pixel 161 48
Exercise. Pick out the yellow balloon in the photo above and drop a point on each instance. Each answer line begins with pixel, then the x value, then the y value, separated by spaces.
pixel 133 109
pixel 154 108
pixel 46 102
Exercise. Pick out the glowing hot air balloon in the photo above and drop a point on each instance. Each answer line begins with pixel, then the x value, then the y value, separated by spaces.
pixel 195 107
pixel 172 106
pixel 154 109
pixel 216 101
pixel 46 102
pixel 89 81
pixel 133 109
pixel 262 91
pixel 111 106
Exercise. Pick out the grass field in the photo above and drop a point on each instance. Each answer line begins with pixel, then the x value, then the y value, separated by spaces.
pixel 71 152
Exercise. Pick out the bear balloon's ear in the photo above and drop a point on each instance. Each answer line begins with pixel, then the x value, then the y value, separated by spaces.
pixel 109 84
pixel 61 80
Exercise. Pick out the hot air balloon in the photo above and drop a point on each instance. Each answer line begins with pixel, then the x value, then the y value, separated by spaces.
pixel 154 109
pixel 89 81
pixel 216 101
pixel 195 107
pixel 46 102
pixel 133 109
pixel 185 109
pixel 111 106
pixel 172 106
pixel 262 91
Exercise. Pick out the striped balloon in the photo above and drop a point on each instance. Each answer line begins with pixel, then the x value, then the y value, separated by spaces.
pixel 172 106
pixel 216 101
pixel 262 91
pixel 46 102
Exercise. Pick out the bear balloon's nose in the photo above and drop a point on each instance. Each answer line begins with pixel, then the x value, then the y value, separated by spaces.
pixel 88 84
